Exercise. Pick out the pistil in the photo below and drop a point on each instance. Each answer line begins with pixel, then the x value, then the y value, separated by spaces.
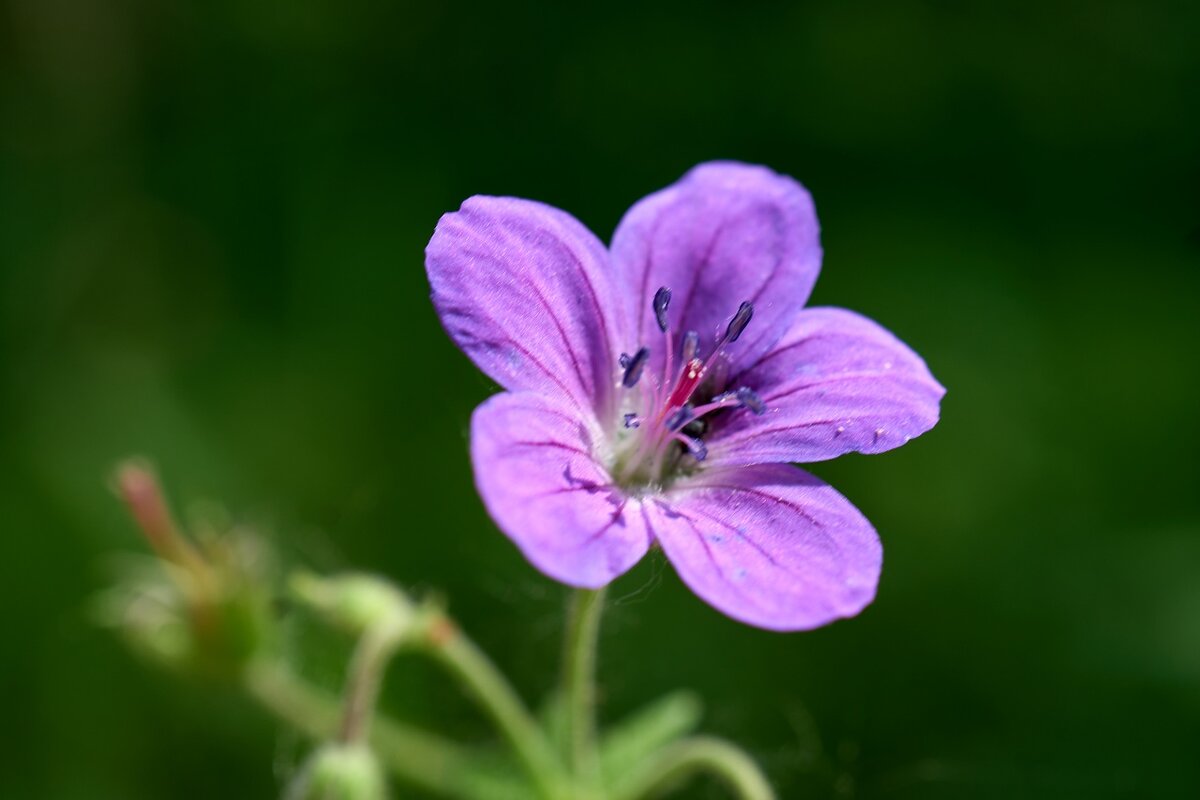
pixel 669 407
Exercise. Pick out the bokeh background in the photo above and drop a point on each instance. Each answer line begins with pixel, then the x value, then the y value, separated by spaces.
pixel 212 218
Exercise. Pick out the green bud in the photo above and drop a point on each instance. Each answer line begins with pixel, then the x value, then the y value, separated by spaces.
pixel 203 605
pixel 355 602
pixel 147 609
pixel 340 772
pixel 210 628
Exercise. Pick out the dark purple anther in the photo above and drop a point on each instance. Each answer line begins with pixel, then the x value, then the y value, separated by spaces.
pixel 624 360
pixel 681 417
pixel 634 367
pixel 739 322
pixel 750 399
pixel 632 421
pixel 662 299
pixel 691 343
pixel 696 447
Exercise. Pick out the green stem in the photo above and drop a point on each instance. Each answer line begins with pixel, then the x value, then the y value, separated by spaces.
pixel 579 683
pixel 488 687
pixel 699 754
pixel 365 676
pixel 420 758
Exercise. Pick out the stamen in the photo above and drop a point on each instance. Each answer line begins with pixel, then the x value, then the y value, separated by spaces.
pixel 662 299
pixel 750 399
pixel 739 322
pixel 682 416
pixel 634 367
pixel 670 414
pixel 724 399
pixel 697 448
pixel 744 397
pixel 691 343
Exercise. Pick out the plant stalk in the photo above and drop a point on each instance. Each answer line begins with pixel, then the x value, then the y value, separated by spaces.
pixel 579 685
pixel 365 677
pixel 422 759
pixel 489 688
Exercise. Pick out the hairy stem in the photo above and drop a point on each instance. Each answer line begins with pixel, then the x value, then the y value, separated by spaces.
pixel 579 684
pixel 420 758
pixel 689 757
pixel 489 688
pixel 367 666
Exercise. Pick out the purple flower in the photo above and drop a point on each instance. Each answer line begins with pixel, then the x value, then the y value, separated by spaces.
pixel 659 390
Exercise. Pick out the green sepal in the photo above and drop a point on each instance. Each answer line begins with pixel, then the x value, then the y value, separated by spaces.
pixel 627 745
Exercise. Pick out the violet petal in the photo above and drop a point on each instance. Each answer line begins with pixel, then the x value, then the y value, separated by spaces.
pixel 837 382
pixel 525 291
pixel 725 233
pixel 535 470
pixel 770 546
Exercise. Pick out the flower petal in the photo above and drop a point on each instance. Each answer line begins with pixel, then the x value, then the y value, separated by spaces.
pixel 525 291
pixel 537 471
pixel 726 232
pixel 771 546
pixel 837 382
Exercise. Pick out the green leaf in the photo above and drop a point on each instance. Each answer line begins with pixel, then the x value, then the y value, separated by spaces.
pixel 492 776
pixel 624 747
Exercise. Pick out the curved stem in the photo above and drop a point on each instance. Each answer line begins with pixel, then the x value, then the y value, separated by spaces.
pixel 365 676
pixel 579 683
pixel 688 757
pixel 421 758
pixel 488 687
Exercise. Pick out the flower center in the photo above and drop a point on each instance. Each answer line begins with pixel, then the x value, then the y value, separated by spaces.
pixel 663 431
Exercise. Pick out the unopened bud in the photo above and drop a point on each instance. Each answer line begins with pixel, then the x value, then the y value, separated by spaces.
pixel 340 772
pixel 138 486
pixel 354 602
pixel 206 608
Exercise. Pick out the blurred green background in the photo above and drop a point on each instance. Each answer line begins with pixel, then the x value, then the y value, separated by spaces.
pixel 212 218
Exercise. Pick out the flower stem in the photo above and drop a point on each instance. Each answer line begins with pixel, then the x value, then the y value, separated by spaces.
pixel 579 684
pixel 488 687
pixel 367 666
pixel 685 758
pixel 422 759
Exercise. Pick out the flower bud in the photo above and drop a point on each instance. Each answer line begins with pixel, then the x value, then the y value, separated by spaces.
pixel 203 605
pixel 355 602
pixel 339 771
